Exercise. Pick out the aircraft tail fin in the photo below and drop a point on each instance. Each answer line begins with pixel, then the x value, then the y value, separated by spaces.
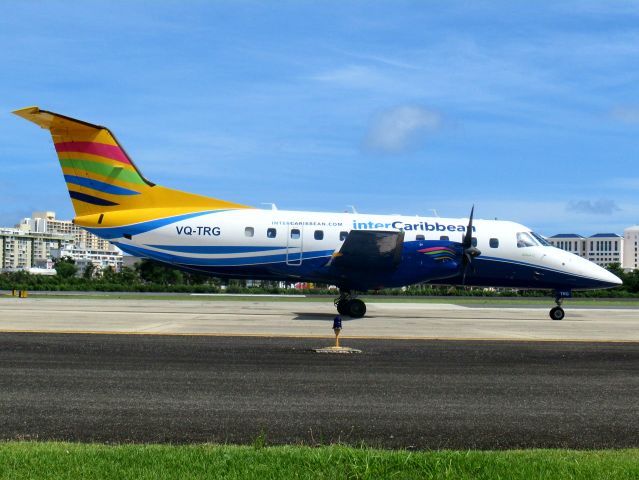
pixel 102 178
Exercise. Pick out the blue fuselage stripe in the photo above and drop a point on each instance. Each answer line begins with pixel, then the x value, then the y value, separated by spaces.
pixel 256 260
pixel 531 265
pixel 110 233
pixel 210 249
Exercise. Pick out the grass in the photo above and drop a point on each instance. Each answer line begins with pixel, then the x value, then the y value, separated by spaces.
pixel 470 301
pixel 51 460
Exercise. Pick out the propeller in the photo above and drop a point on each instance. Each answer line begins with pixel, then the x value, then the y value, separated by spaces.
pixel 469 251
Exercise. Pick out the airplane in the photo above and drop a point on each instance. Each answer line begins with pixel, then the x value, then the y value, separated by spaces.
pixel 355 252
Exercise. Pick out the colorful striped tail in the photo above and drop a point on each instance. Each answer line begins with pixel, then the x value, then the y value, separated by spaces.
pixel 102 178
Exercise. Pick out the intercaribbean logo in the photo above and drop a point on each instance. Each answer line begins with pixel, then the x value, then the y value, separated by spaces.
pixel 419 226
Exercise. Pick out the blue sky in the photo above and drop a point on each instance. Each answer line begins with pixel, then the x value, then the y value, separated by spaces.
pixel 529 110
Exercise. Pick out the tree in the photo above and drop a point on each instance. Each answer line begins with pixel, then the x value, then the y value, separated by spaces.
pixel 128 276
pixel 89 272
pixel 65 267
pixel 108 274
pixel 616 269
pixel 155 272
pixel 631 281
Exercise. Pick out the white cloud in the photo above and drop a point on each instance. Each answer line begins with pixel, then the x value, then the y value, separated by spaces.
pixel 398 129
pixel 597 207
pixel 356 76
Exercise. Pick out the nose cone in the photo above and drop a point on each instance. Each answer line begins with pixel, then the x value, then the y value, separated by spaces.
pixel 599 277
pixel 610 279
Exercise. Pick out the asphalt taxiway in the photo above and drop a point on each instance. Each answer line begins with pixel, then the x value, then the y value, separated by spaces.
pixel 217 371
pixel 398 393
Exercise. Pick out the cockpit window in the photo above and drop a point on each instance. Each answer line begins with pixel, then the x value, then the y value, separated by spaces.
pixel 525 240
pixel 540 239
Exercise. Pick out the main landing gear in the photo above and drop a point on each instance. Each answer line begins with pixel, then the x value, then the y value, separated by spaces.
pixel 557 313
pixel 348 305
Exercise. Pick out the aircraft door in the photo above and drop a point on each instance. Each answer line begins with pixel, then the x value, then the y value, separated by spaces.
pixel 294 245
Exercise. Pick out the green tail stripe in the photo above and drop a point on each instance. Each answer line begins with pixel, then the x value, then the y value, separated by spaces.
pixel 116 173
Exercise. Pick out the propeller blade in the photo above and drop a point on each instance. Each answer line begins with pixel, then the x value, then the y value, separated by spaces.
pixel 469 250
pixel 468 238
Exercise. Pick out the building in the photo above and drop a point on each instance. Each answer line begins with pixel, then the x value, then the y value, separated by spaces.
pixel 22 250
pixel 603 249
pixel 83 257
pixel 630 240
pixel 571 242
pixel 37 240
pixel 46 222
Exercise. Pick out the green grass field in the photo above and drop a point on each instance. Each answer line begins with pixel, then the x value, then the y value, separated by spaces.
pixel 48 460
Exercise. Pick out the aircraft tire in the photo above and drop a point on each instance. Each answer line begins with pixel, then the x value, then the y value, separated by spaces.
pixel 342 307
pixel 356 308
pixel 557 313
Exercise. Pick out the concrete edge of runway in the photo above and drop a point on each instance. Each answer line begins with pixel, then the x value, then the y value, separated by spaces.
pixel 405 321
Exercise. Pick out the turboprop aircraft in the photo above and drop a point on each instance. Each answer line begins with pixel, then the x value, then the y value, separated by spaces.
pixel 356 252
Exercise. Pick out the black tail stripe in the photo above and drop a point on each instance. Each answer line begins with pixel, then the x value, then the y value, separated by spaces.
pixel 83 197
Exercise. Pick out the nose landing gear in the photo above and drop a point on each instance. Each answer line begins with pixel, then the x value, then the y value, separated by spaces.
pixel 348 305
pixel 557 313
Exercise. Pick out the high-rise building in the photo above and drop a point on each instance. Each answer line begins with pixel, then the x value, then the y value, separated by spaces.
pixel 36 240
pixel 630 241
pixel 22 250
pixel 46 222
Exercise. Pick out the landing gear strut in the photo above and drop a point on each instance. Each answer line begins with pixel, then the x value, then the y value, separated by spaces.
pixel 557 313
pixel 348 305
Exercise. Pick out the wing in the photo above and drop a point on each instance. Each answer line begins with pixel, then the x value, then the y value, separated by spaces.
pixel 369 250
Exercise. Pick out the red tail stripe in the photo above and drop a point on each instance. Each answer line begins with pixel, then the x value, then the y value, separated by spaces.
pixel 109 151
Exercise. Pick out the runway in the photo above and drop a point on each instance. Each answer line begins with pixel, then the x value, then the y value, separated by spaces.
pixel 431 375
pixel 397 394
pixel 314 319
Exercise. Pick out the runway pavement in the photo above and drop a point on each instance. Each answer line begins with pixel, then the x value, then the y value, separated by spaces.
pixel 221 371
pixel 314 319
pixel 398 393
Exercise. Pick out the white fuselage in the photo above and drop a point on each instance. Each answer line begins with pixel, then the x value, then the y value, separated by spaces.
pixel 292 245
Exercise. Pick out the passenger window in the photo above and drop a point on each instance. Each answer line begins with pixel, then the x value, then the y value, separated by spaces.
pixel 295 234
pixel 494 242
pixel 444 237
pixel 473 242
pixel 249 231
pixel 319 235
pixel 419 237
pixel 271 233
pixel 342 236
